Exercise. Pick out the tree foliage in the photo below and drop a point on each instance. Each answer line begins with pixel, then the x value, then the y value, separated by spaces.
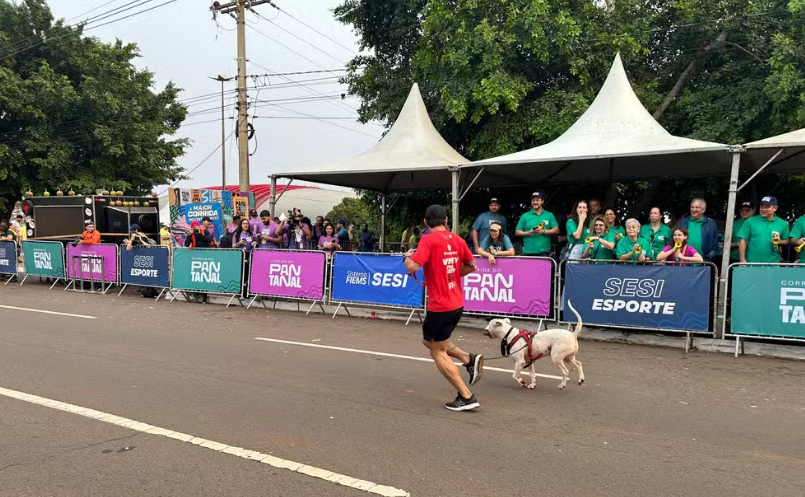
pixel 499 76
pixel 75 112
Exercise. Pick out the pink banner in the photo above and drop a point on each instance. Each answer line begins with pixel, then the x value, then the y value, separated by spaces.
pixel 93 266
pixel 284 273
pixel 518 286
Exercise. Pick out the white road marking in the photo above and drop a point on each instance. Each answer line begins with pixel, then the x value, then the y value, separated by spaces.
pixel 276 462
pixel 48 312
pixel 386 354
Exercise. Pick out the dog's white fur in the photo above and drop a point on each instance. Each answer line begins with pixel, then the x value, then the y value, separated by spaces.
pixel 562 346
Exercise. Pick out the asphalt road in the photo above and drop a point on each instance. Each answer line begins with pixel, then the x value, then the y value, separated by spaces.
pixel 649 421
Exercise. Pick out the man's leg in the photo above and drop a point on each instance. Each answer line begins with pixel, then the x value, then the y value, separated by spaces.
pixel 452 351
pixel 438 351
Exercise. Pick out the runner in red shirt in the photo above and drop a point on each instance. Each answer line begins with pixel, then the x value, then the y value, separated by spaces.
pixel 445 258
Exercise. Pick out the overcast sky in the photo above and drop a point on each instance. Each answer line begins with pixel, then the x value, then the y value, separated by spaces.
pixel 180 42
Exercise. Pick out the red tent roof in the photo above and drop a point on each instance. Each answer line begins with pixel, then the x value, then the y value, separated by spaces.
pixel 261 192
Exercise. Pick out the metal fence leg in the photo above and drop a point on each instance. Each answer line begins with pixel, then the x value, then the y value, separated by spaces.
pixel 160 294
pixel 230 301
pixel 123 290
pixel 737 346
pixel 311 307
pixel 336 311
pixel 688 340
pixel 410 316
pixel 539 326
pixel 173 296
pixel 25 278
pixel 252 302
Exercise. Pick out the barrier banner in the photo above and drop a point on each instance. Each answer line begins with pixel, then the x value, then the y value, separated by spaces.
pixel 208 270
pixel 93 267
pixel 375 279
pixel 651 296
pixel 768 301
pixel 8 257
pixel 43 258
pixel 287 274
pixel 145 266
pixel 512 286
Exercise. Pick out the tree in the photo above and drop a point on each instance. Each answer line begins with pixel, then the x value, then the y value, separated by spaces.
pixel 75 112
pixel 500 76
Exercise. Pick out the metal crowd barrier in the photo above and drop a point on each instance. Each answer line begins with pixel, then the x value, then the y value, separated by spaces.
pixel 233 288
pixel 774 307
pixel 712 296
pixel 279 294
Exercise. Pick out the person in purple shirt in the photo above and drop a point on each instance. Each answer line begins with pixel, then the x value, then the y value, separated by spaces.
pixel 255 224
pixel 297 232
pixel 329 242
pixel 268 232
pixel 234 224
pixel 242 238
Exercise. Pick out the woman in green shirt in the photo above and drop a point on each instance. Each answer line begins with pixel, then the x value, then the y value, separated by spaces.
pixel 615 229
pixel 600 244
pixel 633 247
pixel 658 234
pixel 577 230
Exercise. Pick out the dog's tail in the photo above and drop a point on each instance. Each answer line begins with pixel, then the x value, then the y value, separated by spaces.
pixel 577 331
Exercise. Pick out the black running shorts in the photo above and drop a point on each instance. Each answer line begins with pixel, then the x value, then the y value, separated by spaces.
pixel 438 326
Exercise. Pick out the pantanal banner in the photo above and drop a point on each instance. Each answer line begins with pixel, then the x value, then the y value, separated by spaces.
pixel 43 258
pixel 208 270
pixel 768 301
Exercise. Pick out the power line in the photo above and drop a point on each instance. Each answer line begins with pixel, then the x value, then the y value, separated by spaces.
pixel 301 39
pixel 352 51
pixel 328 122
pixel 200 163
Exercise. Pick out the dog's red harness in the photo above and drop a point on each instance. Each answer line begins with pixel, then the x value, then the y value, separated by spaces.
pixel 506 345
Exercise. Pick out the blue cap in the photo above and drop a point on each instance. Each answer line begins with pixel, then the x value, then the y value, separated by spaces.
pixel 135 227
pixel 768 200
pixel 538 194
pixel 340 221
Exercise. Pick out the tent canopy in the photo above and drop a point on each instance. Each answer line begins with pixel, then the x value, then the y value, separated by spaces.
pixel 412 156
pixel 616 138
pixel 791 160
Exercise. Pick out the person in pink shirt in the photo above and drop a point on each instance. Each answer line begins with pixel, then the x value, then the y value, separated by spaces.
pixel 680 252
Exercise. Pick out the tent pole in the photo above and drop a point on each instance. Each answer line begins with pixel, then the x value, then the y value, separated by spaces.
pixel 725 257
pixel 456 201
pixel 272 203
pixel 383 222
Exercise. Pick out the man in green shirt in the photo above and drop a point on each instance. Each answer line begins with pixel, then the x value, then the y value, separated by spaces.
pixel 798 238
pixel 762 236
pixel 7 234
pixel 747 211
pixel 536 227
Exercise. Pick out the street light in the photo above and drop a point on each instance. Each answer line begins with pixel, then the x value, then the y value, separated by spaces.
pixel 222 79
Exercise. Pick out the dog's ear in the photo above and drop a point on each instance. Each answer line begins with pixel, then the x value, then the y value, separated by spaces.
pixel 508 321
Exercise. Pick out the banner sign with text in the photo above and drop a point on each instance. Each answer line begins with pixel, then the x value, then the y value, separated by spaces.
pixel 375 279
pixel 768 301
pixel 198 211
pixel 287 274
pixel 145 266
pixel 91 268
pixel 511 286
pixel 650 296
pixel 208 270
pixel 8 257
pixel 43 258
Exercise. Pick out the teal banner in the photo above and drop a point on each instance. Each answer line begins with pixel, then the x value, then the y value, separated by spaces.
pixel 208 270
pixel 43 258
pixel 768 301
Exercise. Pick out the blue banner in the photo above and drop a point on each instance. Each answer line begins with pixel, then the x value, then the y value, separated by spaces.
pixel 8 257
pixel 375 279
pixel 145 266
pixel 651 296
pixel 198 211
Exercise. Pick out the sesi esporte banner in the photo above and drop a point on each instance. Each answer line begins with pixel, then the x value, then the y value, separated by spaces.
pixel 768 301
pixel 8 257
pixel 145 266
pixel 86 267
pixel 640 296
pixel 375 279
pixel 283 273
pixel 511 286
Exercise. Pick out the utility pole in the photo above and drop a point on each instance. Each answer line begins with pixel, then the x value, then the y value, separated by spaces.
pixel 238 7
pixel 222 79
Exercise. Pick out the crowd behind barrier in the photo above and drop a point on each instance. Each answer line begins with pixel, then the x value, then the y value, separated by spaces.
pixel 647 296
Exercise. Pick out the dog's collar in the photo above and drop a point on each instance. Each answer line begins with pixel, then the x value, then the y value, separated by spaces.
pixel 505 346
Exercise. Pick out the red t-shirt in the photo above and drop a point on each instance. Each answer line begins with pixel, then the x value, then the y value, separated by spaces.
pixel 441 254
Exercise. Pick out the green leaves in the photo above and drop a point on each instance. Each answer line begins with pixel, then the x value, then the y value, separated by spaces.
pixel 75 112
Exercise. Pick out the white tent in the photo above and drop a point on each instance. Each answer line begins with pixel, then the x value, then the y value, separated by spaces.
pixel 786 150
pixel 411 156
pixel 616 138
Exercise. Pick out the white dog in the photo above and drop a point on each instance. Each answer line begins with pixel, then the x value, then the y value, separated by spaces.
pixel 525 347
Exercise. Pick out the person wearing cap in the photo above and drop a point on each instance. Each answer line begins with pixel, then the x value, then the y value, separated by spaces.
pixel 536 227
pixel 164 235
pixel 480 228
pixel 255 224
pixel 798 238
pixel 207 228
pixel 196 238
pixel 746 211
pixel 342 234
pixel 135 238
pixel 657 233
pixel 702 231
pixel 762 236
